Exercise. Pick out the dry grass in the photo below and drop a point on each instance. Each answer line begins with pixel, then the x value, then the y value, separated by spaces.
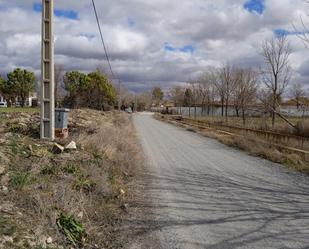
pixel 265 124
pixel 88 185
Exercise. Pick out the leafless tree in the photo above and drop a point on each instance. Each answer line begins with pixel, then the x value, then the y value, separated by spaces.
pixel 194 87
pixel 245 90
pixel 276 73
pixel 59 73
pixel 298 93
pixel 302 30
pixel 206 91
pixel 224 83
pixel 219 87
pixel 177 94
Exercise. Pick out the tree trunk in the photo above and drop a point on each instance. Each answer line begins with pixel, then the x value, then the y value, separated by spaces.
pixel 226 109
pixel 23 100
pixel 222 107
pixel 237 111
pixel 243 117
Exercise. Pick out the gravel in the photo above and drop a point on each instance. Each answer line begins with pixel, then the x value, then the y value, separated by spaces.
pixel 206 195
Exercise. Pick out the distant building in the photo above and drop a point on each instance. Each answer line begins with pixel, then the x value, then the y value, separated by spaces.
pixel 30 101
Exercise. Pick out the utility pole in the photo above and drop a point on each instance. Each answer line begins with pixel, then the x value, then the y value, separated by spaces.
pixel 119 95
pixel 47 80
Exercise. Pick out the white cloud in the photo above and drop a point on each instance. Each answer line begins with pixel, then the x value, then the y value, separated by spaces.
pixel 220 31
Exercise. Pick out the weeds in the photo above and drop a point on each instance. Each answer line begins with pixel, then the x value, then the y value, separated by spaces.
pixel 49 170
pixel 85 184
pixel 72 229
pixel 14 147
pixel 70 168
pixel 7 227
pixel 19 180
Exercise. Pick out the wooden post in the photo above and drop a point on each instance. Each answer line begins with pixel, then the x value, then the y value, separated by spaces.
pixel 47 80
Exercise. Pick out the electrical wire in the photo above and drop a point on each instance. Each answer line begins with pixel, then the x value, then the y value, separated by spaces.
pixel 102 39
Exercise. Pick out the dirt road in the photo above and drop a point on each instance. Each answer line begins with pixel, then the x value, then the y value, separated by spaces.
pixel 207 195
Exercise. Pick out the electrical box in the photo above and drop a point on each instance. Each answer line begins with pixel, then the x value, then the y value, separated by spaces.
pixel 61 118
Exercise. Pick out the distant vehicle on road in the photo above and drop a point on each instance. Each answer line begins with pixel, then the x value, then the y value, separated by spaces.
pixel 3 105
pixel 129 110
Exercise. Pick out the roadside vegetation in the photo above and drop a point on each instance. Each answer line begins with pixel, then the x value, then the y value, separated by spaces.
pixel 296 159
pixel 74 199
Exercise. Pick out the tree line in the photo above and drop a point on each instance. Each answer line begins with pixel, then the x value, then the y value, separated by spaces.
pixel 92 90
pixel 244 88
pixel 19 84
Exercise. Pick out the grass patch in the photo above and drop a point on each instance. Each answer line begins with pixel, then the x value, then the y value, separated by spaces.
pixel 19 110
pixel 14 148
pixel 49 170
pixel 72 229
pixel 7 227
pixel 71 169
pixel 84 184
pixel 19 180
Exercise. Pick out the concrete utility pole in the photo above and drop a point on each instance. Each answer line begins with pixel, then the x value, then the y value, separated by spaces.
pixel 47 80
pixel 119 95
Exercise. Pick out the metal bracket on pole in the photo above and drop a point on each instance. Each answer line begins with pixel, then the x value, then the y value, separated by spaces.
pixel 47 80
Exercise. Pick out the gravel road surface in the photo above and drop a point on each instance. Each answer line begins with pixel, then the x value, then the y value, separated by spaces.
pixel 206 195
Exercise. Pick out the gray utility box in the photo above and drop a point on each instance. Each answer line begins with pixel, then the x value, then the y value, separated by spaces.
pixel 61 118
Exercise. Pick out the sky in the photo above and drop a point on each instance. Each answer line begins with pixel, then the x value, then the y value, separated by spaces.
pixel 153 43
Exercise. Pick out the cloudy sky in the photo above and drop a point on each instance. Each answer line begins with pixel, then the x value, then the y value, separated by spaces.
pixel 152 42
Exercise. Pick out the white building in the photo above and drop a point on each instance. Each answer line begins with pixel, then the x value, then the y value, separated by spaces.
pixel 29 100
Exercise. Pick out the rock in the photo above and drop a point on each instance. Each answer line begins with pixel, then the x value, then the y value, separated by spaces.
pixel 124 206
pixel 4 180
pixel 7 239
pixel 80 215
pixel 5 190
pixel 57 149
pixel 49 240
pixel 71 146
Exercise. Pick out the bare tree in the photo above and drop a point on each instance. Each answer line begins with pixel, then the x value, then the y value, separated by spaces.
pixel 219 87
pixel 206 91
pixel 298 93
pixel 225 85
pixel 195 94
pixel 276 73
pixel 246 90
pixel 177 94
pixel 59 73
pixel 303 32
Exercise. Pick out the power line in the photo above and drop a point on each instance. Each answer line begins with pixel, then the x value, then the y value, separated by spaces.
pixel 102 39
